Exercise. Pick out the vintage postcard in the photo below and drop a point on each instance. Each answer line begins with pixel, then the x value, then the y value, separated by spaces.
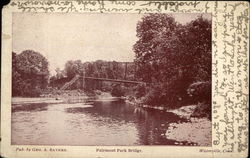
pixel 107 78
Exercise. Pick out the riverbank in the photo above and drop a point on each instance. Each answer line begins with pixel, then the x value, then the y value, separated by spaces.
pixel 25 100
pixel 55 96
pixel 185 111
pixel 198 131
pixel 137 102
pixel 198 128
pixel 70 96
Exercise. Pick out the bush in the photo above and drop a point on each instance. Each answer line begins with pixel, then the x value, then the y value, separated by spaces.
pixel 154 96
pixel 200 92
pixel 140 90
pixel 117 91
pixel 202 110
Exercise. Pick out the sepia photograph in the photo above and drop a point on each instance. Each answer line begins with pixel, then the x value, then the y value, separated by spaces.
pixel 90 79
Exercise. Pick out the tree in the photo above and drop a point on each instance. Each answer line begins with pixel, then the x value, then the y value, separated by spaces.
pixel 172 56
pixel 199 46
pixel 17 81
pixel 73 68
pixel 156 33
pixel 30 73
pixel 59 73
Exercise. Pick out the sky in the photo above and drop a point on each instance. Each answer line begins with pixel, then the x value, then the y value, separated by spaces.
pixel 88 37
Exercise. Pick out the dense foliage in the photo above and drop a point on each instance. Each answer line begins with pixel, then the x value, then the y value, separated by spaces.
pixel 29 73
pixel 98 69
pixel 171 57
pixel 117 90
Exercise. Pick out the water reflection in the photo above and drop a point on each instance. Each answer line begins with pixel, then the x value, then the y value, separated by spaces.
pixel 95 123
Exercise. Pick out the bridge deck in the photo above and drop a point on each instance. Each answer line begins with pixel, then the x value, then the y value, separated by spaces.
pixel 115 80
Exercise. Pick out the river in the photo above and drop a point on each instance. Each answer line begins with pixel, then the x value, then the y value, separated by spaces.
pixel 89 123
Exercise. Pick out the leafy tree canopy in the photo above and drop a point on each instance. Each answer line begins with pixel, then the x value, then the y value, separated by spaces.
pixel 172 56
pixel 29 73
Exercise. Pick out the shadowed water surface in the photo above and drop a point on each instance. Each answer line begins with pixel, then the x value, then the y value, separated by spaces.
pixel 95 123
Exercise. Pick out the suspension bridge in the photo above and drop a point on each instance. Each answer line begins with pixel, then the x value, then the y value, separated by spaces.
pixel 83 78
